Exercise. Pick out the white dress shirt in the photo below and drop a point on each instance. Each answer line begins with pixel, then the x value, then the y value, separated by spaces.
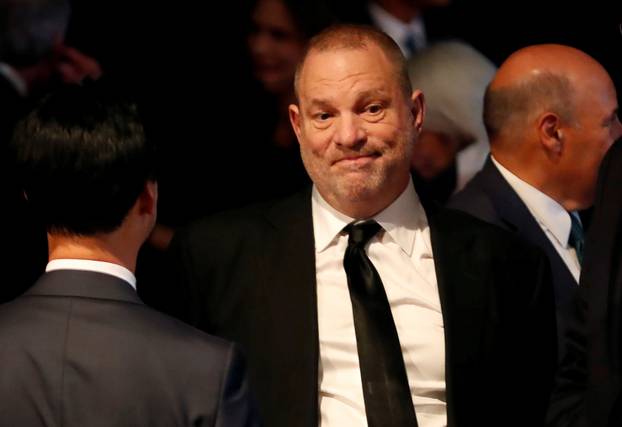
pixel 398 30
pixel 550 215
pixel 91 265
pixel 402 254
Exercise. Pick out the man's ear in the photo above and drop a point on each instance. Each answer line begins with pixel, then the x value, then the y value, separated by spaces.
pixel 418 109
pixel 148 199
pixel 294 119
pixel 551 134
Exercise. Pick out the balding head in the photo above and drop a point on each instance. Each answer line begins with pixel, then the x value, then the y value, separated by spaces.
pixel 551 114
pixel 534 80
pixel 352 37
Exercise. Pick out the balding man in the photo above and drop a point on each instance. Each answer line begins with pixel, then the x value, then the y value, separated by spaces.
pixel 355 306
pixel 551 114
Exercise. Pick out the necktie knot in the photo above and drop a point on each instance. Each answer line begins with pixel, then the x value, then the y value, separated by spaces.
pixel 576 238
pixel 361 232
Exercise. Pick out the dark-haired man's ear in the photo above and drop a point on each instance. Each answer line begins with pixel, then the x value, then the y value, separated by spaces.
pixel 148 199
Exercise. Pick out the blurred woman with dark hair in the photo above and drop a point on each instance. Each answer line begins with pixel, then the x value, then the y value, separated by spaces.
pixel 279 32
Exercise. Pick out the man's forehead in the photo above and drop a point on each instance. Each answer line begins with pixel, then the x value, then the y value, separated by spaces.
pixel 326 64
pixel 368 49
pixel 328 99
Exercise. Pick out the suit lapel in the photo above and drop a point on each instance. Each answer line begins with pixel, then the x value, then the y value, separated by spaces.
pixel 515 214
pixel 460 261
pixel 293 307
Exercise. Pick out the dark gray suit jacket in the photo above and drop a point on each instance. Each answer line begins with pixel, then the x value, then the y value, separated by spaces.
pixel 249 276
pixel 488 196
pixel 80 349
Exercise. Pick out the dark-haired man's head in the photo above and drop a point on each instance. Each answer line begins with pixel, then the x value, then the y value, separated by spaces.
pixel 86 167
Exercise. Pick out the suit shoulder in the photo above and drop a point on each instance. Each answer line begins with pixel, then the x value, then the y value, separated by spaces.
pixel 226 229
pixel 459 222
pixel 473 199
pixel 241 226
pixel 155 326
pixel 182 337
pixel 229 221
pixel 257 216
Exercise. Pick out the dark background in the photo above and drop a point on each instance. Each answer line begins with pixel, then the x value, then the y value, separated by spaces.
pixel 185 62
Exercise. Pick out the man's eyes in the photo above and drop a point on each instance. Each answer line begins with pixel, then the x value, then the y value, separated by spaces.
pixel 374 108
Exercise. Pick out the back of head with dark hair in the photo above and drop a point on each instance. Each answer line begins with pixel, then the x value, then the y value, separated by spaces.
pixel 83 159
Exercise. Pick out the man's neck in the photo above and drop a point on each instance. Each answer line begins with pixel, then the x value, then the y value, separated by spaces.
pixel 63 246
pixel 537 177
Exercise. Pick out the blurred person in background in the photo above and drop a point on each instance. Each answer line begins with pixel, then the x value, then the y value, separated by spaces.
pixel 453 145
pixel 33 61
pixel 277 39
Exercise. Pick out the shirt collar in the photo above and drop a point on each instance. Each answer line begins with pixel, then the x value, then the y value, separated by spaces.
pixel 14 78
pixel 395 28
pixel 401 219
pixel 91 265
pixel 550 214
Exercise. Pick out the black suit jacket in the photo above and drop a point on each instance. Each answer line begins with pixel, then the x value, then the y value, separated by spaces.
pixel 589 385
pixel 80 349
pixel 250 277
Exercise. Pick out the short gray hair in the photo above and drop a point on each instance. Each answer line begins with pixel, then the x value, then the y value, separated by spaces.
pixel 545 91
pixel 354 36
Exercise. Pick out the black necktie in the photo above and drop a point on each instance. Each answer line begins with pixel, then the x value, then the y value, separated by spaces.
pixel 388 402
pixel 576 239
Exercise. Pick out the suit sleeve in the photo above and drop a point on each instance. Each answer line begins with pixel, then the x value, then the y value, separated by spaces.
pixel 236 406
pixel 183 299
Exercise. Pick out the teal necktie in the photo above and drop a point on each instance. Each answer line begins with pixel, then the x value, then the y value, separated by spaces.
pixel 576 239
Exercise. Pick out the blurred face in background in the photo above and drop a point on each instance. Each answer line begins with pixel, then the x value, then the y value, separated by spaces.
pixel 275 45
pixel 434 153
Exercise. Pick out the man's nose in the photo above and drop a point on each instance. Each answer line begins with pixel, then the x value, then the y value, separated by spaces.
pixel 350 131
